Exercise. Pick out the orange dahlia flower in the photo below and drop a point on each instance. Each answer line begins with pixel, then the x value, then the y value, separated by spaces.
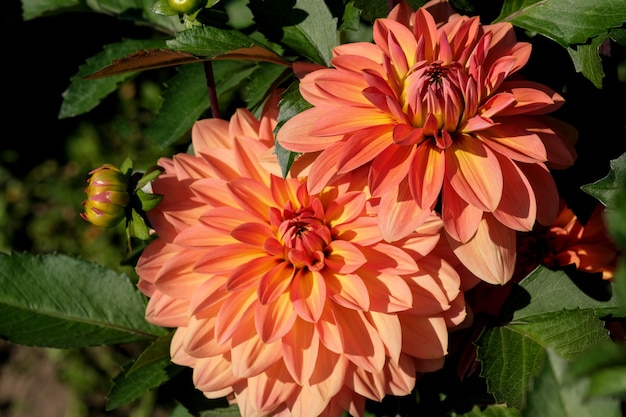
pixel 567 241
pixel 437 114
pixel 290 301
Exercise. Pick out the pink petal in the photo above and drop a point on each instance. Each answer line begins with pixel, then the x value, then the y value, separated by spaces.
pixel 474 172
pixel 490 254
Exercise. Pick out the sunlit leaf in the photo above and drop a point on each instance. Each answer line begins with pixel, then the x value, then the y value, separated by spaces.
pixel 64 302
pixel 306 26
pixel 565 21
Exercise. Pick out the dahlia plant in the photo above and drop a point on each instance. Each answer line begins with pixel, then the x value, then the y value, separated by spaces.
pixel 363 208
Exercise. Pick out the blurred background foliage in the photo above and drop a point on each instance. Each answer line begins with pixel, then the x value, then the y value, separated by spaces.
pixel 45 161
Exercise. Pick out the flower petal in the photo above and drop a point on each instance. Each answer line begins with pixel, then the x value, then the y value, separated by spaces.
pixel 490 253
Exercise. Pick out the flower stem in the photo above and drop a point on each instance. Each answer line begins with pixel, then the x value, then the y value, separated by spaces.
pixel 210 81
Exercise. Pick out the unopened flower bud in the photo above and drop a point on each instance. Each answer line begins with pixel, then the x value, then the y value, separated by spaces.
pixel 107 197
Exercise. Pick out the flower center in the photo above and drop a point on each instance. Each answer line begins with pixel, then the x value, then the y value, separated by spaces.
pixel 304 235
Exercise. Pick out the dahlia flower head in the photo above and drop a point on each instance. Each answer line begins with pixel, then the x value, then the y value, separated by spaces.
pixel 437 113
pixel 287 302
pixel 567 241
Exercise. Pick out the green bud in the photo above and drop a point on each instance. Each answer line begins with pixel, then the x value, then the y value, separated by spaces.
pixel 187 6
pixel 107 197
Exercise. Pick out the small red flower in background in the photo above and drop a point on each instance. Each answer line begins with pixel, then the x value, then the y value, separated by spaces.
pixel 436 112
pixel 289 301
pixel 568 242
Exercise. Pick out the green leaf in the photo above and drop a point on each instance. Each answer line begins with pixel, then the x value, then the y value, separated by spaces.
pixel 291 103
pixel 306 26
pixel 230 411
pixel 559 316
pixel 586 59
pixel 151 369
pixel 148 200
pixel 62 302
pixel 605 189
pixel 262 82
pixel 137 227
pixel 553 291
pixel 565 21
pixel 210 42
pixel 351 17
pixel 36 8
pixel 84 95
pixel 553 396
pixel 186 98
pixel 491 411
pixel 373 9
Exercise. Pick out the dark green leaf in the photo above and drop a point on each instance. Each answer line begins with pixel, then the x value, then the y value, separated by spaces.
pixel 210 42
pixel 230 411
pixel 151 369
pixel 84 95
pixel 559 317
pixel 36 8
pixel 552 396
pixel 291 103
pixel 306 26
pixel 587 61
pixel 186 98
pixel 565 21
pixel 373 9
pixel 63 302
pixel 603 356
pixel 491 411
pixel 553 291
pixel 265 78
pixel 605 189
pixel 609 382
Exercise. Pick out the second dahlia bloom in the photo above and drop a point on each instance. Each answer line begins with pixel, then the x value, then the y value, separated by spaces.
pixel 567 241
pixel 289 301
pixel 436 113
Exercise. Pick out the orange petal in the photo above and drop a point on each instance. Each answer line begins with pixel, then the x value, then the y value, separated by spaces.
pixel 389 259
pixel 275 282
pixel 340 121
pixel 361 342
pixel 490 254
pixel 295 135
pixel 343 257
pixel 426 174
pixel 424 337
pixel 308 294
pixel 390 330
pixel 363 146
pixel 213 374
pixel 389 168
pixel 250 273
pixel 474 172
pixel 399 215
pixel 249 354
pixel 460 219
pixel 225 259
pixel 345 208
pixel 274 320
pixel 324 168
pixel 347 290
pixel 518 208
pixel 515 142
pixel 232 312
pixel 299 350
pixel 545 191
pixel 208 134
